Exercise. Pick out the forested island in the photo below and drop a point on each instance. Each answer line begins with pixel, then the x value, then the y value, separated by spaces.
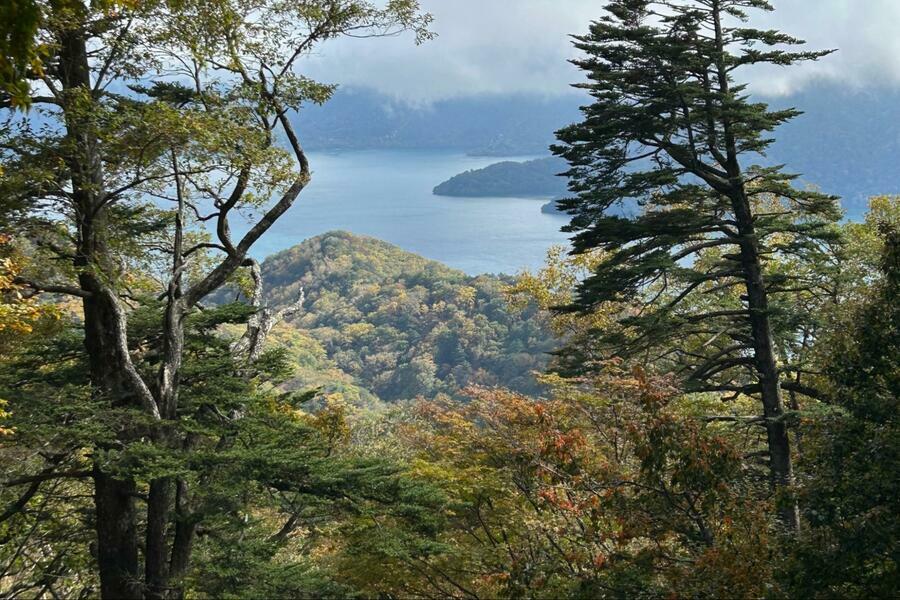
pixel 539 177
pixel 697 397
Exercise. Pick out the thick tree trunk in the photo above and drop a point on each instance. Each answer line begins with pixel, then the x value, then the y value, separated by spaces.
pixel 117 548
pixel 117 538
pixel 111 371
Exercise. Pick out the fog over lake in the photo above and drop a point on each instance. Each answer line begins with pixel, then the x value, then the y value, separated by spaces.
pixel 387 195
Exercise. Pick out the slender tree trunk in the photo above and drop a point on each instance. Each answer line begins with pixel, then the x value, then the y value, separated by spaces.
pixel 779 445
pixel 160 499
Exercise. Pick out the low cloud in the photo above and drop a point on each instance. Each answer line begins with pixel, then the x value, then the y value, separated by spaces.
pixel 522 46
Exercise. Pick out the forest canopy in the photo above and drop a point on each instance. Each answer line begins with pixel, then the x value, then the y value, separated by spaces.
pixel 402 326
pixel 696 398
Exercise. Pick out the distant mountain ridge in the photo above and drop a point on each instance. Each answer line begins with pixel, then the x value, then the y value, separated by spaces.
pixel 539 177
pixel 836 145
pixel 501 125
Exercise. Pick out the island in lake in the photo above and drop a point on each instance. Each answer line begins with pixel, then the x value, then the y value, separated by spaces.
pixel 538 177
pixel 553 208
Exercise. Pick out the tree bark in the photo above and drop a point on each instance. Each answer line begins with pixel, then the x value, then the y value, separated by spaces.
pixel 117 548
pixel 156 559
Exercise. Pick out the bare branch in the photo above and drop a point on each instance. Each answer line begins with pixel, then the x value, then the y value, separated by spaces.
pixel 52 288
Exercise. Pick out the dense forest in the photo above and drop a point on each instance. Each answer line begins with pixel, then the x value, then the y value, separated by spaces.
pixel 698 398
pixel 539 177
pixel 402 326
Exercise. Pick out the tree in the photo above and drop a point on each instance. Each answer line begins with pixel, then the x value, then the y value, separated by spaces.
pixel 852 451
pixel 138 171
pixel 263 479
pixel 671 131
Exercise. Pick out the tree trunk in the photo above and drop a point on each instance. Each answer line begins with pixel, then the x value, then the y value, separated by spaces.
pixel 779 445
pixel 117 548
pixel 117 541
pixel 156 559
pixel 185 528
pixel 104 326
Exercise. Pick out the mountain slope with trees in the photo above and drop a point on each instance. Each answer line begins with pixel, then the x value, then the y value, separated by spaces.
pixel 404 326
pixel 493 125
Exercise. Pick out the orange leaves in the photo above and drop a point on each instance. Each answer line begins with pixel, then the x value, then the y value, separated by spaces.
pixel 563 447
pixel 608 479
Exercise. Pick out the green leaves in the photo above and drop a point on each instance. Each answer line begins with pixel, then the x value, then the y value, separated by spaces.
pixel 853 453
pixel 19 22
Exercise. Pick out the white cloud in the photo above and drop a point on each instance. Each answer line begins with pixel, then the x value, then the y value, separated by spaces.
pixel 521 46
pixel 866 34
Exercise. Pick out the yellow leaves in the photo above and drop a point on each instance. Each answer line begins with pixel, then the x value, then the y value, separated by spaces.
pixel 884 211
pixel 20 314
pixel 4 415
pixel 331 420
pixel 465 296
pixel 555 285
pixel 358 330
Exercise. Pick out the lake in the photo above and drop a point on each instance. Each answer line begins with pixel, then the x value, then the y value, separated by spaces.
pixel 387 194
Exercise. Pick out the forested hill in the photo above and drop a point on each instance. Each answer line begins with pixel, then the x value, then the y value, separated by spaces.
pixel 401 325
pixel 530 178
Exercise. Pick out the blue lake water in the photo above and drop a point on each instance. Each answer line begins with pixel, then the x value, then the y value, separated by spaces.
pixel 387 195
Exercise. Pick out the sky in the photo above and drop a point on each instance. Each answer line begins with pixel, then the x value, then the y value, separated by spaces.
pixel 521 46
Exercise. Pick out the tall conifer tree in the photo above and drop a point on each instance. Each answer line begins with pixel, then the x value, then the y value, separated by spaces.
pixel 670 131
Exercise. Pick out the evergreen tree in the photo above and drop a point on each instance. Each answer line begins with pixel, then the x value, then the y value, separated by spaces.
pixel 670 131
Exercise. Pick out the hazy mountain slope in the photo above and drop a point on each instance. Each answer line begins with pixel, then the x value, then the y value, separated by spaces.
pixel 847 143
pixel 501 125
pixel 402 325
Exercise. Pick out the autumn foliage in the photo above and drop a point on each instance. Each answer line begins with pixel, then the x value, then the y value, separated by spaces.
pixel 605 488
